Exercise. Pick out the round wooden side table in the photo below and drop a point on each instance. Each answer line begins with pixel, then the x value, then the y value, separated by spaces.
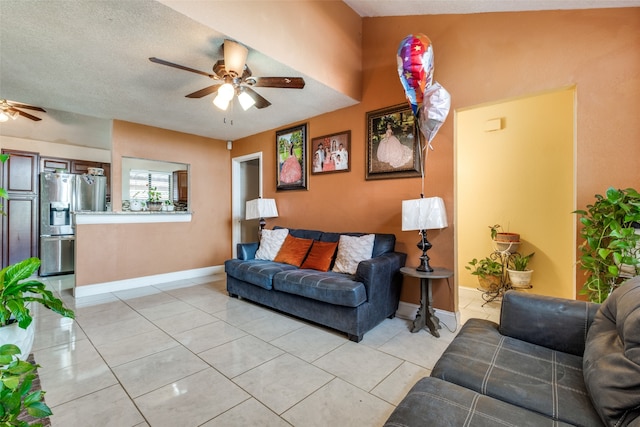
pixel 426 316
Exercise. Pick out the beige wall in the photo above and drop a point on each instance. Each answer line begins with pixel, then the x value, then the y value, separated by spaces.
pixel 108 253
pixel 521 177
pixel 478 58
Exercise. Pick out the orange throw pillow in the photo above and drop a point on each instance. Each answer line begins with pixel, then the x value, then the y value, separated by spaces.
pixel 320 256
pixel 293 250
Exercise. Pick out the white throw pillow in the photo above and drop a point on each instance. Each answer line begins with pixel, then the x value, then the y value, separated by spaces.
pixel 352 250
pixel 270 243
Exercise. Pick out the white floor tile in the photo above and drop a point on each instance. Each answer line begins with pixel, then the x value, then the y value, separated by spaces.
pixel 339 404
pixel 184 353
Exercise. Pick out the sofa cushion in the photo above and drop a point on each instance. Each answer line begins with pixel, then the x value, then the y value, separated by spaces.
pixel 329 287
pixel 433 402
pixel 270 243
pixel 612 356
pixel 293 251
pixel 383 243
pixel 517 372
pixel 256 272
pixel 302 233
pixel 352 250
pixel 320 256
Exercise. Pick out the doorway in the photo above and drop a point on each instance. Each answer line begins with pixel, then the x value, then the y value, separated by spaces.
pixel 246 185
pixel 515 166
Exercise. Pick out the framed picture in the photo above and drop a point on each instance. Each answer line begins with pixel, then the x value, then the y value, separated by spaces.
pixel 291 161
pixel 331 153
pixel 393 144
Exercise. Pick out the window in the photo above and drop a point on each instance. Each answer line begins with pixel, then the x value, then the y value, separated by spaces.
pixel 141 180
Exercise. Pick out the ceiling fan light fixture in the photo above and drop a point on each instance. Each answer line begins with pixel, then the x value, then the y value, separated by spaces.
pixel 226 91
pixel 13 114
pixel 221 102
pixel 246 101
pixel 235 56
pixel 3 117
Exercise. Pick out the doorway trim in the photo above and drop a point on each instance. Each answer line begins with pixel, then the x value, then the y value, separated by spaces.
pixel 236 202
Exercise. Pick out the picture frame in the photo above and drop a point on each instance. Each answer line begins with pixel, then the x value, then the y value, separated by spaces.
pixel 393 144
pixel 291 158
pixel 331 153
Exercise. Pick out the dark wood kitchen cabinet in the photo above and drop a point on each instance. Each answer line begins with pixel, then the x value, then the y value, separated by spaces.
pixel 20 224
pixel 180 186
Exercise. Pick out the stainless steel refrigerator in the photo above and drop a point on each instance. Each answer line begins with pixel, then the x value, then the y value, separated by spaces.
pixel 61 195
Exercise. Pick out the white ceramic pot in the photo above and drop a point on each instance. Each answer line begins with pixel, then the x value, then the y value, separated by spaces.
pixel 23 338
pixel 135 205
pixel 520 279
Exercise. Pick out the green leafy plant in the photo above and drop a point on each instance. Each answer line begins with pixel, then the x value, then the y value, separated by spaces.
pixel 17 290
pixel 154 194
pixel 519 262
pixel 484 267
pixel 16 397
pixel 610 252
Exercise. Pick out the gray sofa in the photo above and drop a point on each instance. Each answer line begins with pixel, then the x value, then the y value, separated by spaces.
pixel 550 362
pixel 352 304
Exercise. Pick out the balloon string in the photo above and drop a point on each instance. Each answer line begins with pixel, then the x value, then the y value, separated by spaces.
pixel 424 153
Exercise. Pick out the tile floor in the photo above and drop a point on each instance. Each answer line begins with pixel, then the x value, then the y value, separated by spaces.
pixel 185 354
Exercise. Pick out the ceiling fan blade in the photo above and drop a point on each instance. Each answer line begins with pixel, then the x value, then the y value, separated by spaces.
pixel 28 107
pixel 235 57
pixel 280 82
pixel 260 101
pixel 27 115
pixel 204 92
pixel 181 67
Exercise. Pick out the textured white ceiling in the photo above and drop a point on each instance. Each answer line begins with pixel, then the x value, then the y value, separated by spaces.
pixel 90 58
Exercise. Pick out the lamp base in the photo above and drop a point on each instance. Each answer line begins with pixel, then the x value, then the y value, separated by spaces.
pixel 424 245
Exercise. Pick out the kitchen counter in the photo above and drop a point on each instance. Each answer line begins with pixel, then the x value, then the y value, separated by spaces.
pixel 131 217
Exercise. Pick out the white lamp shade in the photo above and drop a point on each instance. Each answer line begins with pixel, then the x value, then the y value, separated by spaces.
pixel 221 102
pixel 246 101
pixel 423 214
pixel 261 208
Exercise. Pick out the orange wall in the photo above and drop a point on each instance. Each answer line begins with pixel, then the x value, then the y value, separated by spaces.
pixel 478 58
pixel 115 252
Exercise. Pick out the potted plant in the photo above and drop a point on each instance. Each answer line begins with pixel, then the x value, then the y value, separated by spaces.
pixel 505 241
pixel 168 206
pixel 489 273
pixel 16 397
pixel 610 252
pixel 519 276
pixel 17 292
pixel 154 203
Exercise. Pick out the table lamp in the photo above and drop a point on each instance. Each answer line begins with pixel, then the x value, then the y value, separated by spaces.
pixel 424 214
pixel 261 208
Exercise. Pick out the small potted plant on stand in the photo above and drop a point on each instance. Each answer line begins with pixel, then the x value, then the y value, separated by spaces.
pixel 489 273
pixel 519 276
pixel 504 241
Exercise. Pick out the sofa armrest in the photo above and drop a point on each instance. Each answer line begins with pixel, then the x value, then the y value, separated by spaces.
pixel 556 323
pixel 378 274
pixel 247 250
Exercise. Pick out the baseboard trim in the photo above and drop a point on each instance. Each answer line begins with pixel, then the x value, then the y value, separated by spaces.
pixel 407 310
pixel 139 282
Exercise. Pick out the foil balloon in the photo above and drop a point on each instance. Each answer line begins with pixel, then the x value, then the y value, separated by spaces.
pixel 415 67
pixel 434 111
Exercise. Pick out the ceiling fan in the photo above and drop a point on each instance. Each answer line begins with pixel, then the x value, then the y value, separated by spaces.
pixel 11 109
pixel 233 78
